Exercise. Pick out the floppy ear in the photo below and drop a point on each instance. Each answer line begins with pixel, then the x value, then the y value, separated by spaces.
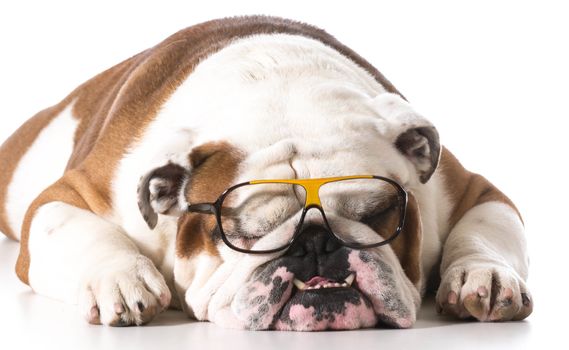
pixel 421 146
pixel 411 133
pixel 161 191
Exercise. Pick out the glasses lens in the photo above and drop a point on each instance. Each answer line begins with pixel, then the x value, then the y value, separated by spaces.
pixel 362 211
pixel 258 217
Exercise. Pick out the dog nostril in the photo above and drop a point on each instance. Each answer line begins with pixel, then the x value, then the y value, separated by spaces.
pixel 314 240
pixel 331 245
pixel 298 252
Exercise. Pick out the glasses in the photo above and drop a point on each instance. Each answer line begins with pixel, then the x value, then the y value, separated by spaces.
pixel 248 211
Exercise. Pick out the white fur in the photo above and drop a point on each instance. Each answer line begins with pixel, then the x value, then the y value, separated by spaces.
pixel 64 243
pixel 301 86
pixel 80 258
pixel 182 202
pixel 488 234
pixel 191 275
pixel 160 144
pixel 397 115
pixel 42 164
pixel 435 207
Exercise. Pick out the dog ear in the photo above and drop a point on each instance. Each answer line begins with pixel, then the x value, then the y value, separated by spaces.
pixel 411 133
pixel 161 191
pixel 422 147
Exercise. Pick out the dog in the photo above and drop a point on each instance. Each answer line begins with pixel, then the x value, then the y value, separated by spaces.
pixel 123 195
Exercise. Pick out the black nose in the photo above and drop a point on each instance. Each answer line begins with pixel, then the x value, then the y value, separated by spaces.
pixel 314 240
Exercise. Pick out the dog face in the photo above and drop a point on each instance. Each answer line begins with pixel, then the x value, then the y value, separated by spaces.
pixel 316 283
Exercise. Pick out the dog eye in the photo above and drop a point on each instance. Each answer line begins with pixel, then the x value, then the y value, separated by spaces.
pixel 255 219
pixel 381 215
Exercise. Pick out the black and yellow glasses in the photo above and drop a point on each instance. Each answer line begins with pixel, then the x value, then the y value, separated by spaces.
pixel 246 212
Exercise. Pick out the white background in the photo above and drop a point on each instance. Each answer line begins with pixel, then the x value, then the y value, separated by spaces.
pixel 492 75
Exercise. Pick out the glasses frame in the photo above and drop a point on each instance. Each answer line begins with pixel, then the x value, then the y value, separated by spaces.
pixel 312 188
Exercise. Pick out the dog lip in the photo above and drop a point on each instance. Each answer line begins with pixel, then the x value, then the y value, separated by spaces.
pixel 319 282
pixel 326 308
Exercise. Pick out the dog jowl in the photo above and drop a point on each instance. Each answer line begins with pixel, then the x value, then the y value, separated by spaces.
pixel 325 288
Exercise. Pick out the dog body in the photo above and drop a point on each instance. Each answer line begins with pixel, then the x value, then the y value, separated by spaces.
pixel 229 101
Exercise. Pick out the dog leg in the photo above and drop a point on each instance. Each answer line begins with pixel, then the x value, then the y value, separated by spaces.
pixel 79 257
pixel 485 266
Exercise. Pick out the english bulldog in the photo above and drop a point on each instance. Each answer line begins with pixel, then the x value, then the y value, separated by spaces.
pixel 256 173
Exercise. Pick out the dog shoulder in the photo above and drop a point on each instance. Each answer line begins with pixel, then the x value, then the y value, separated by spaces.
pixel 466 189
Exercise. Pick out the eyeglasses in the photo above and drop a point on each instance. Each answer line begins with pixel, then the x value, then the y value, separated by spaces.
pixel 248 211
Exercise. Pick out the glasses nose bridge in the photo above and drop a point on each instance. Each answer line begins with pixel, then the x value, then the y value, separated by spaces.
pixel 312 196
pixel 308 220
pixel 303 233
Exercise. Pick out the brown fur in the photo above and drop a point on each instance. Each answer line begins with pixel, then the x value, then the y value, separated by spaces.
pixel 216 166
pixel 86 108
pixel 74 189
pixel 467 189
pixel 116 106
pixel 13 149
pixel 407 246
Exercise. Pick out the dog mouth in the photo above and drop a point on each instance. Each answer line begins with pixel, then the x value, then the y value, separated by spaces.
pixel 322 303
pixel 359 293
pixel 319 282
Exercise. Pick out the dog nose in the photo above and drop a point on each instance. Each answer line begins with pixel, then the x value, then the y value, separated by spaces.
pixel 314 239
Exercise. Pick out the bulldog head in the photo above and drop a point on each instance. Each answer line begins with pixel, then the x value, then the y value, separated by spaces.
pixel 317 283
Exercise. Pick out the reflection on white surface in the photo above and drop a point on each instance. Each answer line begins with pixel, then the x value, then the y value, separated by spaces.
pixel 30 321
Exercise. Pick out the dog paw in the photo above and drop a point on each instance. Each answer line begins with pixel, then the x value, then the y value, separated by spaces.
pixel 486 293
pixel 124 291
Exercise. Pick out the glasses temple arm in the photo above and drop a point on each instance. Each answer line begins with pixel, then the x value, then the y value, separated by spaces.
pixel 203 208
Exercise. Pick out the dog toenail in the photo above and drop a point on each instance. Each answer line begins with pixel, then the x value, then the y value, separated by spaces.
pixel 482 292
pixel 119 308
pixel 140 306
pixel 525 299
pixel 94 313
pixel 452 298
pixel 164 299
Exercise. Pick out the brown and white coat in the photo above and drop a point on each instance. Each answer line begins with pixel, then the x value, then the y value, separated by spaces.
pixel 227 101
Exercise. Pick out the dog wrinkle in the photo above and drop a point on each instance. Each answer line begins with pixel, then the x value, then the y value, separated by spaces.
pixel 382 289
pixel 385 273
pixel 255 319
pixel 258 301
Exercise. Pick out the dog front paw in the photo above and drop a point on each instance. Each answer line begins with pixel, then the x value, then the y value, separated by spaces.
pixel 487 293
pixel 124 291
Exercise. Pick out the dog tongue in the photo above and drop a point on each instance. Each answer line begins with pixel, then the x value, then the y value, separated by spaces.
pixel 318 280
